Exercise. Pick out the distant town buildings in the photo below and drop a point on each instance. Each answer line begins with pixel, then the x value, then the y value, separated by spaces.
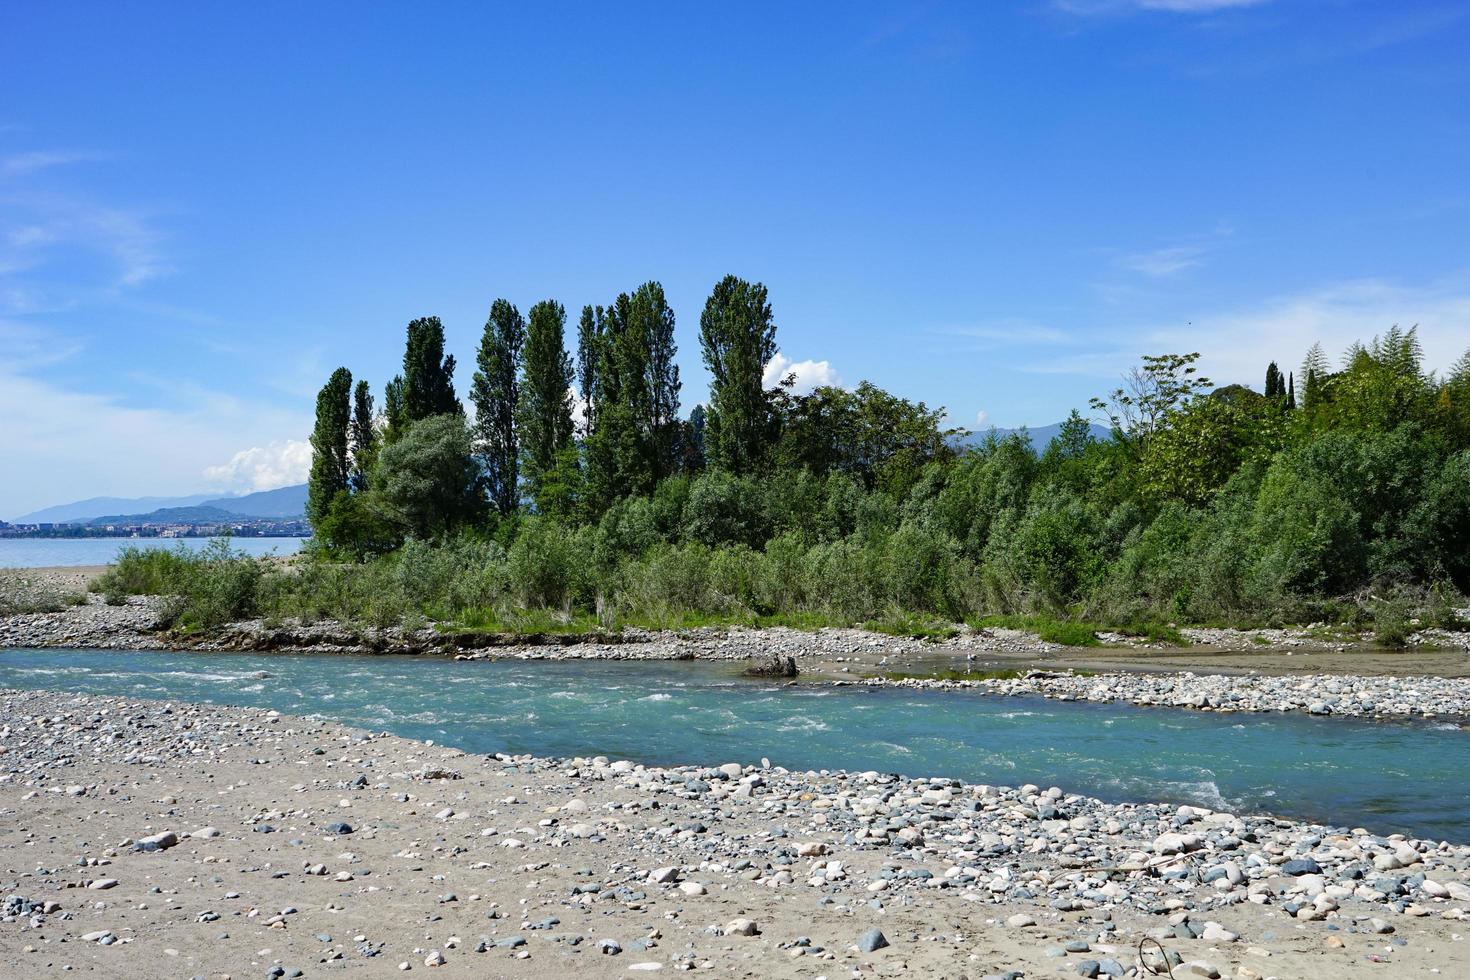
pixel 263 528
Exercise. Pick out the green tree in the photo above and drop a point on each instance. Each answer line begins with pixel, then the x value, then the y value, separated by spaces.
pixel 426 483
pixel 737 337
pixel 364 436
pixel 654 326
pixel 330 464
pixel 1275 383
pixel 544 413
pixel 393 413
pixel 428 375
pixel 590 335
pixel 1163 383
pixel 496 393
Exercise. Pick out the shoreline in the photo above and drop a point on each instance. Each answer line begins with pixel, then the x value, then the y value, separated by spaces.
pixel 1234 673
pixel 445 847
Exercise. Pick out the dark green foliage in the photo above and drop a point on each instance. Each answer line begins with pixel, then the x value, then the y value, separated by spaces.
pixel 838 506
pixel 330 461
pixel 428 375
pixel 364 436
pixel 737 337
pixel 393 411
pixel 544 413
pixel 495 394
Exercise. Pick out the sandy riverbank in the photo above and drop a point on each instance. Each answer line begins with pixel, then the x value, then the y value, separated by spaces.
pixel 546 864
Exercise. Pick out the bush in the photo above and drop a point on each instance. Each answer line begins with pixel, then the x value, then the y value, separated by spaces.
pixel 216 584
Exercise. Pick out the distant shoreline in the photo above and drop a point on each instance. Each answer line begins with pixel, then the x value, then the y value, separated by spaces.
pixel 84 533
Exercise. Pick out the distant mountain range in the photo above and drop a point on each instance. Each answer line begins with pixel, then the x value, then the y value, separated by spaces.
pixel 1041 435
pixel 283 504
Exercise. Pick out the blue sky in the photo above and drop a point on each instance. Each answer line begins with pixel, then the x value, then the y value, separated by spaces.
pixel 995 207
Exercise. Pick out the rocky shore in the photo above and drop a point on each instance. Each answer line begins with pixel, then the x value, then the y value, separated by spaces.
pixel 148 839
pixel 1317 694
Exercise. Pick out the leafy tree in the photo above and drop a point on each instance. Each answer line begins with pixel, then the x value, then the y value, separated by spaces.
pixel 428 375
pixel 544 414
pixel 364 436
pixel 1149 393
pixel 1196 450
pixel 1275 384
pixel 330 463
pixel 495 393
pixel 426 484
pixel 738 338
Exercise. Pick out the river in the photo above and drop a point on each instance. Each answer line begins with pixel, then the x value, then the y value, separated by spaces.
pixel 1388 777
pixel 48 552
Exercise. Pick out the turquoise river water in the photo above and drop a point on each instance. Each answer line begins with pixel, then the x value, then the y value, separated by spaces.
pixel 1388 777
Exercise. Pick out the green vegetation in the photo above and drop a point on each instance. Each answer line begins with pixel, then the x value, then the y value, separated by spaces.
pixel 1345 499
pixel 214 585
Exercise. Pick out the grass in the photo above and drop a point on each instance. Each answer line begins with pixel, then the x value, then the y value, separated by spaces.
pixel 908 624
pixel 1066 632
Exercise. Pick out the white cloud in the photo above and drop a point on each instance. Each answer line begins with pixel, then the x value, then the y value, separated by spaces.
pixel 982 419
pixel 1236 345
pixel 60 444
pixel 1163 262
pixel 1010 332
pixel 810 375
pixel 1168 6
pixel 279 464
pixel 19 164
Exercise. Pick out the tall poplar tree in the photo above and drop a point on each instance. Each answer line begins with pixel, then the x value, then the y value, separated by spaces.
pixel 590 335
pixel 495 393
pixel 428 375
pixel 329 442
pixel 738 338
pixel 393 409
pixel 653 327
pixel 544 413
pixel 364 436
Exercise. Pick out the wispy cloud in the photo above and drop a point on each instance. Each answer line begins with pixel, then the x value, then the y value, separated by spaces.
pixel 1164 262
pixel 71 442
pixel 1019 332
pixel 1236 345
pixel 20 164
pixel 1091 7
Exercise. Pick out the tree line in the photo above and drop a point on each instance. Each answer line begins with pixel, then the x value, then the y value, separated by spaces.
pixel 579 490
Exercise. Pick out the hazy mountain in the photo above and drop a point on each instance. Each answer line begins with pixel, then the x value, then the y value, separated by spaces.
pixel 198 514
pixel 1041 435
pixel 83 510
pixel 283 503
pixel 287 502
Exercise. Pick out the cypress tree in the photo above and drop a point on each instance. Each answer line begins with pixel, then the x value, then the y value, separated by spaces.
pixel 1291 390
pixel 1275 390
pixel 329 442
pixel 738 338
pixel 364 436
pixel 544 414
pixel 495 393
pixel 428 375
